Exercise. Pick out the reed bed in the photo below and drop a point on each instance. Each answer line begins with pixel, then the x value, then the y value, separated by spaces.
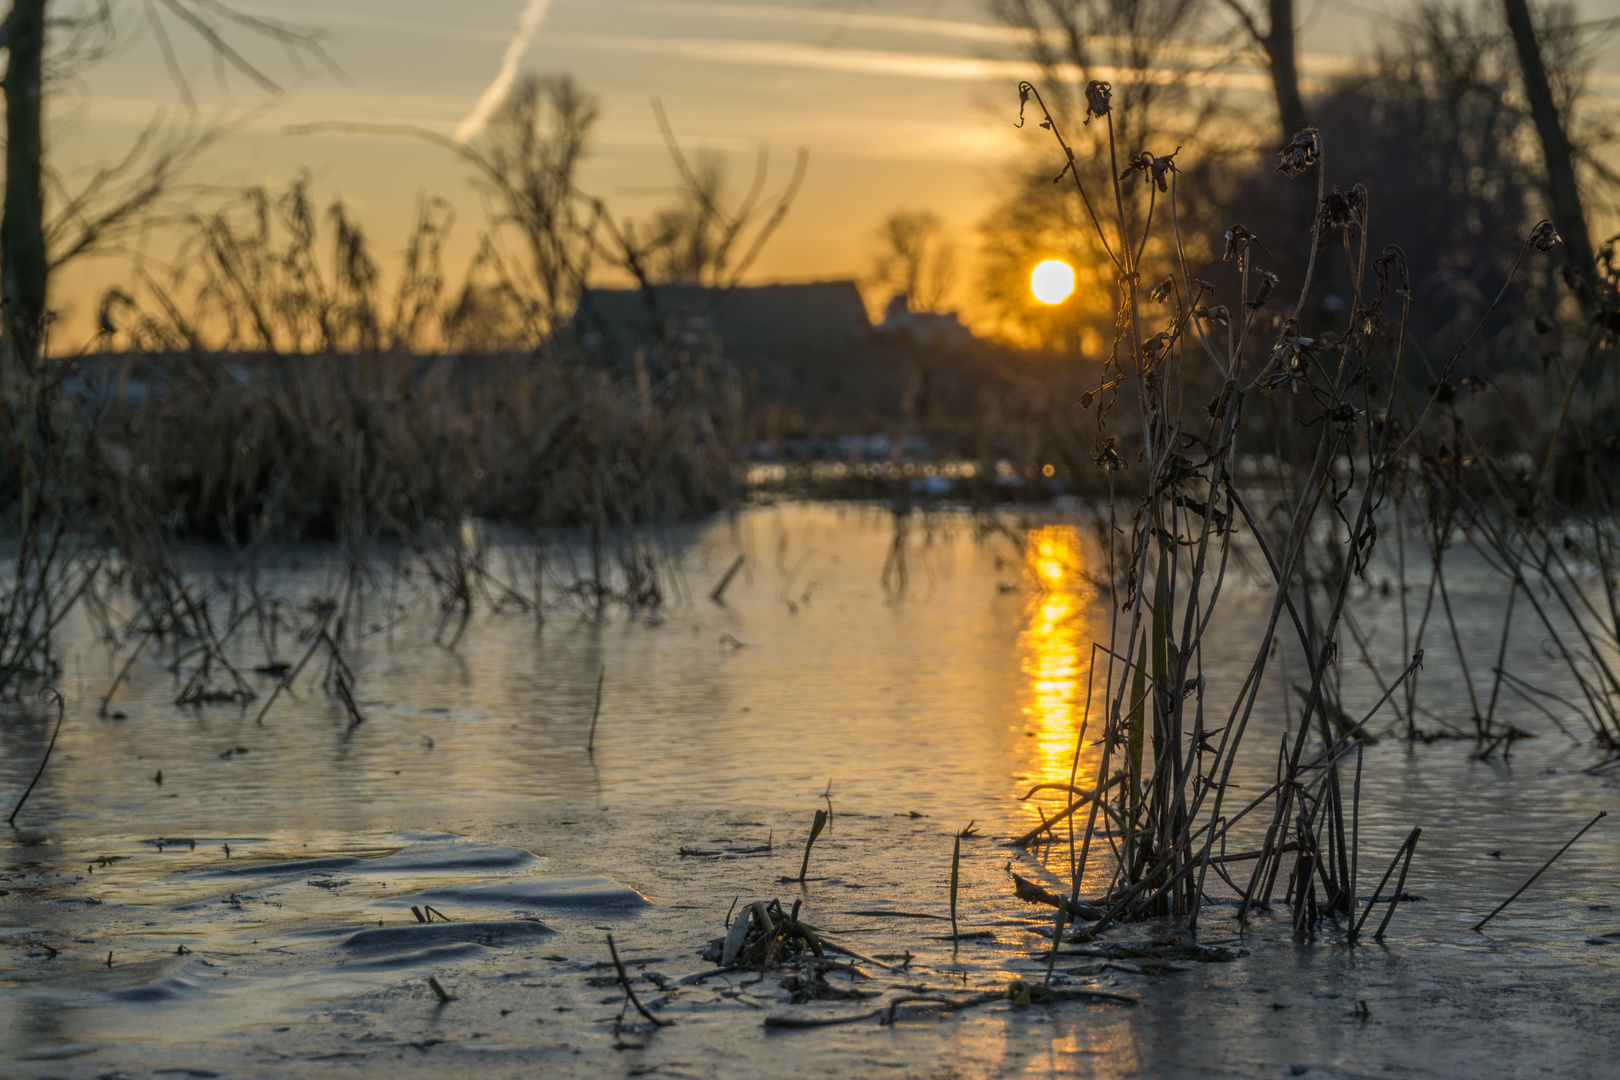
pixel 1218 415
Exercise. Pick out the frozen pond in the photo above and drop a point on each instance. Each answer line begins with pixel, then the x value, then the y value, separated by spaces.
pixel 189 892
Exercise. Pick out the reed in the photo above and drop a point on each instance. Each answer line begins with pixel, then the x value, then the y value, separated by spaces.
pixel 818 823
pixel 1203 383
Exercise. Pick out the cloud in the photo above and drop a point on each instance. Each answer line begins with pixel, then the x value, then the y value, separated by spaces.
pixel 779 54
pixel 841 20
pixel 1317 65
pixel 494 95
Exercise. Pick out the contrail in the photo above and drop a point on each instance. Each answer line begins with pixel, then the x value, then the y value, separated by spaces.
pixel 494 95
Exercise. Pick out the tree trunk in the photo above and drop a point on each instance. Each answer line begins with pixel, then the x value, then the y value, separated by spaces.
pixel 1280 53
pixel 1562 191
pixel 22 232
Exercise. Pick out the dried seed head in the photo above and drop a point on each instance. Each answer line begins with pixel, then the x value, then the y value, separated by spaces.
pixel 1291 349
pixel 1238 240
pixel 1268 282
pixel 1393 259
pixel 1098 94
pixel 1302 151
pixel 1154 170
pixel 1161 292
pixel 1025 92
pixel 1218 314
pixel 1141 163
pixel 1368 323
pixel 1162 166
pixel 1544 237
pixel 1107 457
pixel 1341 208
pixel 1293 378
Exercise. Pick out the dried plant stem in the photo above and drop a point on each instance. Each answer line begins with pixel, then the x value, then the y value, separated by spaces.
pixel 956 864
pixel 629 993
pixel 1601 814
pixel 61 714
pixel 596 711
pixel 718 594
pixel 101 710
pixel 1405 850
pixel 817 823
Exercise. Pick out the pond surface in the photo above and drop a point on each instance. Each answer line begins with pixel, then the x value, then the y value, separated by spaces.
pixel 189 892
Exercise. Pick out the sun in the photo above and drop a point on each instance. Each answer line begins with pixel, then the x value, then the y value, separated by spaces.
pixel 1052 281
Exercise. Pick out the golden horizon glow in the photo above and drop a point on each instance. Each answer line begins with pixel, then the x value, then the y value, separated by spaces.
pixel 1052 281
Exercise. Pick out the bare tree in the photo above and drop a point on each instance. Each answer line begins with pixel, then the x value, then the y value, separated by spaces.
pixel 88 32
pixel 531 152
pixel 1140 46
pixel 1137 60
pixel 915 258
pixel 526 161
pixel 706 238
pixel 1277 43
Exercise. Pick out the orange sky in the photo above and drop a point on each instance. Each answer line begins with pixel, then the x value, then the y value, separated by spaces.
pixel 903 104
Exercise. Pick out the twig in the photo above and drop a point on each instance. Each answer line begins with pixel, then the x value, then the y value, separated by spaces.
pixel 624 981
pixel 596 711
pixel 888 1012
pixel 816 825
pixel 1406 848
pixel 293 674
pixel 819 1021
pixel 956 863
pixel 101 710
pixel 1031 893
pixel 1600 815
pixel 718 595
pixel 61 714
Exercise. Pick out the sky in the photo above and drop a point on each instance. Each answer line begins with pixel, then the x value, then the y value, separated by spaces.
pixel 901 104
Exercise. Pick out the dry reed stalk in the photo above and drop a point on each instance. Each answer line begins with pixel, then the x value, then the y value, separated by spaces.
pixel 1601 814
pixel 1329 487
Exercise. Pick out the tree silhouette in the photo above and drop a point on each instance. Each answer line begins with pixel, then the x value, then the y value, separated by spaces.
pixel 26 34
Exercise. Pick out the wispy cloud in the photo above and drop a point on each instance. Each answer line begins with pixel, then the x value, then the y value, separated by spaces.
pixel 494 95
pixel 884 62
pixel 1316 64
pixel 841 20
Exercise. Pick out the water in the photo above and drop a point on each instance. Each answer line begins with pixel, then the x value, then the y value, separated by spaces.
pixel 468 788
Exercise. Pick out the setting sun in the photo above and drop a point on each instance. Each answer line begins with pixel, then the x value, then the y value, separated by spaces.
pixel 1052 281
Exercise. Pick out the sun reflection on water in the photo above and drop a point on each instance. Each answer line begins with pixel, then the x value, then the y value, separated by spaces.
pixel 1055 655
